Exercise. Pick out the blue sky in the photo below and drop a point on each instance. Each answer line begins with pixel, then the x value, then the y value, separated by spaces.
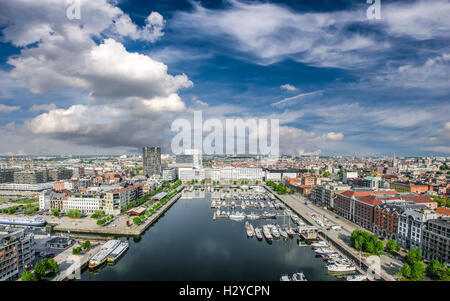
pixel 114 80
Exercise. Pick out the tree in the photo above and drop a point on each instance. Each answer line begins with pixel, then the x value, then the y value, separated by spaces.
pixel 391 246
pixel 55 212
pixel 405 271
pixel 418 270
pixel 28 276
pixel 74 213
pixel 53 265
pixel 291 191
pixel 76 251
pixel 137 220
pixel 413 256
pixel 86 244
pixel 40 269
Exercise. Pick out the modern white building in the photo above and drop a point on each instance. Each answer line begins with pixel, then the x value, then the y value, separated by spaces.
pixel 411 223
pixel 85 203
pixel 169 174
pixel 189 174
pixel 349 175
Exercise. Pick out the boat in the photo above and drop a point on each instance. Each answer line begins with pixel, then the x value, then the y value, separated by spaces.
pixel 250 231
pixel 99 258
pixel 285 278
pixel 358 277
pixel 268 215
pixel 252 216
pixel 282 232
pixel 319 244
pixel 237 216
pixel 266 232
pixel 118 252
pixel 334 268
pixel 258 233
pixel 298 277
pixel 290 232
pixel 322 251
pixel 275 232
pixel 23 221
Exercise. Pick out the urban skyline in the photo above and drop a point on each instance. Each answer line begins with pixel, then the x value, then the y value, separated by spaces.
pixel 354 86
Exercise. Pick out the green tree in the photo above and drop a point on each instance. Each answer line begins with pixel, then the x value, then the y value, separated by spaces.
pixel 28 276
pixel 405 271
pixel 40 269
pixel 74 213
pixel 414 255
pixel 53 265
pixel 137 220
pixel 418 270
pixel 86 244
pixel 56 213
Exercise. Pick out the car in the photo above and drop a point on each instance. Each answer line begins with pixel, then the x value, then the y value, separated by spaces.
pixel 51 255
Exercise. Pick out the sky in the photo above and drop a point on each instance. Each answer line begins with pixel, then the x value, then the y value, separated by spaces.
pixel 113 78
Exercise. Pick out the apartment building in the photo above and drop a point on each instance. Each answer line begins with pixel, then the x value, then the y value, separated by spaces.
pixel 323 195
pixel 16 253
pixel 436 239
pixel 410 226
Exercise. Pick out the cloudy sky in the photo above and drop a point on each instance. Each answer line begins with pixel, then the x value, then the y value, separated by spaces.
pixel 113 80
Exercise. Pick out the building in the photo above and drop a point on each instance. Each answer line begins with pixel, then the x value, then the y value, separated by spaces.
pixel 387 214
pixel 6 175
pixel 30 177
pixel 189 174
pixel 411 187
pixel 410 226
pixel 436 240
pixel 323 195
pixel 169 174
pixel 372 183
pixel 349 205
pixel 58 174
pixel 16 253
pixel 196 156
pixel 347 175
pixel 151 157
pixel 86 203
pixel 116 199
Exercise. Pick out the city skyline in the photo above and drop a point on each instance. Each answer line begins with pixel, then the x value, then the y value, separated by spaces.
pixel 339 83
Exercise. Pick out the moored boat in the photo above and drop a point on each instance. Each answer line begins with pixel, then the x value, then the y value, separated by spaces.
pixel 298 277
pixel 118 252
pixel 101 257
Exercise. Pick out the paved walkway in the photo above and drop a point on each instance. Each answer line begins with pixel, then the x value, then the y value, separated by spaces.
pixel 70 265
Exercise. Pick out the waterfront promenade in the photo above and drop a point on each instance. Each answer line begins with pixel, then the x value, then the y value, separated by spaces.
pixel 339 239
pixel 118 226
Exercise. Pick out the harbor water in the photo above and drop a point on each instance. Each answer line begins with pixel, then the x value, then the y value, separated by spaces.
pixel 187 244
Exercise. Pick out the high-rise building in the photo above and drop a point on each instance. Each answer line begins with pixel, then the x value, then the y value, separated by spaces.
pixel 436 239
pixel 151 157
